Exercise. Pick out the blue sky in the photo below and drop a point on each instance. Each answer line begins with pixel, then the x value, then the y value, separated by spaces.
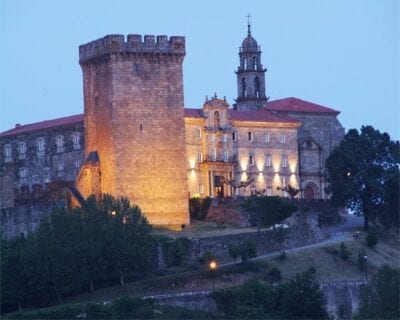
pixel 338 53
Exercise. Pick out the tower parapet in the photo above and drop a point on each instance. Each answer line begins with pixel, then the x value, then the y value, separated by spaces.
pixel 102 49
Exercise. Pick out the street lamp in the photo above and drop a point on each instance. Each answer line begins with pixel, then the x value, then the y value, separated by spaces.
pixel 212 266
pixel 366 267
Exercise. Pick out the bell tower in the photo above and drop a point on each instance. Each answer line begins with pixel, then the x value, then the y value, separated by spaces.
pixel 250 75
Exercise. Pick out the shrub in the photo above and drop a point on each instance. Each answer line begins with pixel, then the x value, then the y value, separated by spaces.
pixel 205 206
pixel 206 257
pixel 273 275
pixel 247 250
pixel 344 253
pixel 198 207
pixel 234 251
pixel 379 299
pixel 175 251
pixel 371 239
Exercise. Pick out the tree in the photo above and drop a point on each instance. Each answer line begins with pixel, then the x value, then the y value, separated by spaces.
pixel 290 190
pixel 301 298
pixel 268 211
pixel 279 234
pixel 234 251
pixel 363 172
pixel 380 298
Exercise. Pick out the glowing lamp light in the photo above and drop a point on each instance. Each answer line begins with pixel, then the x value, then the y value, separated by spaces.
pixel 113 213
pixel 213 265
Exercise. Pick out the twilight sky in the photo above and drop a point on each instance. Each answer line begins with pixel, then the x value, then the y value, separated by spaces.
pixel 338 53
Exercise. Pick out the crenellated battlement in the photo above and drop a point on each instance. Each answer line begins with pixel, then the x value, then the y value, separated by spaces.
pixel 134 44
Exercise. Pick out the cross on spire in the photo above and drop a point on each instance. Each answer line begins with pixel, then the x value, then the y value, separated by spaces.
pixel 248 24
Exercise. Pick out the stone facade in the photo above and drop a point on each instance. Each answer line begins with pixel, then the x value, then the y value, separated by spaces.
pixel 137 140
pixel 226 145
pixel 134 120
pixel 36 155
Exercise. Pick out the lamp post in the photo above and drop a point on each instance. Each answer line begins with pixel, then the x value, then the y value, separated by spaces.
pixel 366 267
pixel 212 266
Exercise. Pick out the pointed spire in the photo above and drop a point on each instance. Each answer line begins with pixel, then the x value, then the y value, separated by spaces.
pixel 248 24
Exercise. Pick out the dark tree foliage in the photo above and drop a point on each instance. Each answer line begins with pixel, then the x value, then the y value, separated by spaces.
pixel 267 211
pixel 380 299
pixel 73 250
pixel 363 174
pixel 121 308
pixel 300 298
pixel 198 207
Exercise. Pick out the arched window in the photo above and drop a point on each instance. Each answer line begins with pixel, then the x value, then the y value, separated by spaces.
pixel 257 87
pixel 254 63
pixel 244 64
pixel 216 119
pixel 243 87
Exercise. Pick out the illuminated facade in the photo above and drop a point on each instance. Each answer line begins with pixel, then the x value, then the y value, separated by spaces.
pixel 225 147
pixel 136 139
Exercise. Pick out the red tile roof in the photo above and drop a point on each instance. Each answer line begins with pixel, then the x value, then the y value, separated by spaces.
pixel 43 125
pixel 297 105
pixel 259 115
pixel 286 105
pixel 193 113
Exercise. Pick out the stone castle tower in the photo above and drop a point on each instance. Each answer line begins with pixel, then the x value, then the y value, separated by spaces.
pixel 250 76
pixel 134 123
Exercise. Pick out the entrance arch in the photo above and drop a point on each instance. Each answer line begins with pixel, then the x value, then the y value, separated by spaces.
pixel 310 191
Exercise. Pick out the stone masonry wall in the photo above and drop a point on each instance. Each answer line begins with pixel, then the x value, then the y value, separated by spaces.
pixel 134 96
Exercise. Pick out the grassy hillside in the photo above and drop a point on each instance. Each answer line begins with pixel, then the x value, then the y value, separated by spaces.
pixel 329 266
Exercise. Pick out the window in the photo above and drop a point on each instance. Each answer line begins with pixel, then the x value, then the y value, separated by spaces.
pixel 251 160
pixel 257 87
pixel 22 148
pixel 225 138
pixel 283 137
pixel 284 161
pixel 76 139
pixel 77 163
pixel 266 137
pixel 226 156
pixel 40 145
pixel 254 63
pixel 60 166
pixel 214 154
pixel 268 160
pixel 7 151
pixel 216 119
pixel 250 136
pixel 200 156
pixel 269 191
pixel 96 101
pixel 60 143
pixel 201 188
pixel 234 136
pixel 198 133
pixel 244 87
pixel 212 137
pixel 244 63
pixel 22 173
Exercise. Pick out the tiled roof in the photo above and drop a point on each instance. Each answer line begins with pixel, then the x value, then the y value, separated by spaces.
pixel 287 105
pixel 43 125
pixel 297 105
pixel 193 113
pixel 259 115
